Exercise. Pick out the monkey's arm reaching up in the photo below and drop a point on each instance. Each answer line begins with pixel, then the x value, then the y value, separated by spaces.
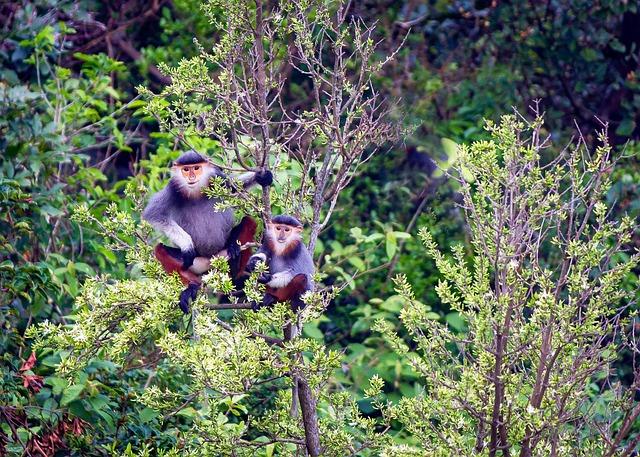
pixel 158 214
pixel 250 179
pixel 247 180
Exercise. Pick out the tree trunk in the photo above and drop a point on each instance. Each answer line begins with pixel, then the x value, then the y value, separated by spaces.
pixel 309 417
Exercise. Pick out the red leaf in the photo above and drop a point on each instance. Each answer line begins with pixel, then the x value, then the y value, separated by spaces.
pixel 30 363
pixel 78 426
pixel 33 382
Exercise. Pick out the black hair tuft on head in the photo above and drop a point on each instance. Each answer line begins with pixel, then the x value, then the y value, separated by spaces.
pixel 189 158
pixel 286 220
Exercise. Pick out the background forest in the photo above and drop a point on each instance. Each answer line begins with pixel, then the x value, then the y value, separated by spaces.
pixel 476 244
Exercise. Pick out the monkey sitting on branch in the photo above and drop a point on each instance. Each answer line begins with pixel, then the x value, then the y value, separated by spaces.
pixel 183 213
pixel 289 261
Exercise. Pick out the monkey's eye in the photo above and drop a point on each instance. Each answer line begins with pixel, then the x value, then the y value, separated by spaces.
pixel 287 229
pixel 196 168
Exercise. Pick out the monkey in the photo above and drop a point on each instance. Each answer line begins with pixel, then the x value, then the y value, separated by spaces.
pixel 290 263
pixel 183 213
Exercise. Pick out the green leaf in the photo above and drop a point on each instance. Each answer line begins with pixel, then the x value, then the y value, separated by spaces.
pixel 85 268
pixel 336 247
pixel 51 211
pixel 147 415
pixel 57 384
pixel 617 45
pixel 71 393
pixel 98 402
pixel 373 237
pixel 626 127
pixel 356 232
pixel 393 304
pixel 187 412
pixel 108 254
pixel 590 54
pixel 361 325
pixel 456 321
pixel 312 331
pixel 466 174
pixel 357 263
pixel 270 449
pixel 450 148
pixel 107 418
pixel 346 276
pixel 391 245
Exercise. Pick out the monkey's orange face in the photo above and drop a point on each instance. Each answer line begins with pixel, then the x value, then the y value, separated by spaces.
pixel 284 234
pixel 192 173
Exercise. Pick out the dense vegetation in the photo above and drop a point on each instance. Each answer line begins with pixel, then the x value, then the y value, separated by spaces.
pixel 477 264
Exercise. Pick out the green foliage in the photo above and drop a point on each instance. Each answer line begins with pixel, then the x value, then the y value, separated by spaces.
pixel 66 142
pixel 51 125
pixel 48 128
pixel 231 360
pixel 222 360
pixel 543 306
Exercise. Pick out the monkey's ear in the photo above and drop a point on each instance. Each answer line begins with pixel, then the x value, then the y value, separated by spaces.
pixel 297 229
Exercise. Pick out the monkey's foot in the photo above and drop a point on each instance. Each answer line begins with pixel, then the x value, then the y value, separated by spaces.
pixel 187 296
pixel 268 300
pixel 264 178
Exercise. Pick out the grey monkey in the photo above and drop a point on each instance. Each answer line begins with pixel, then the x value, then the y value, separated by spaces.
pixel 290 264
pixel 183 213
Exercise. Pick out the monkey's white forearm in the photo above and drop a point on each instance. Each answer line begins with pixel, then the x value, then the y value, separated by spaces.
pixel 251 178
pixel 176 234
pixel 280 279
pixel 248 179
pixel 260 256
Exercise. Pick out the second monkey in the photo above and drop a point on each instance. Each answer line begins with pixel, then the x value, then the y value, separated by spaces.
pixel 290 263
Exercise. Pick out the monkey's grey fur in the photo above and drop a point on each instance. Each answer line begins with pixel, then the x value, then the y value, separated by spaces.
pixel 191 224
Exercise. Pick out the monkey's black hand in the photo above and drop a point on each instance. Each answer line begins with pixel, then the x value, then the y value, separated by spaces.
pixel 187 296
pixel 187 258
pixel 233 250
pixel 264 178
pixel 264 278
pixel 252 263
